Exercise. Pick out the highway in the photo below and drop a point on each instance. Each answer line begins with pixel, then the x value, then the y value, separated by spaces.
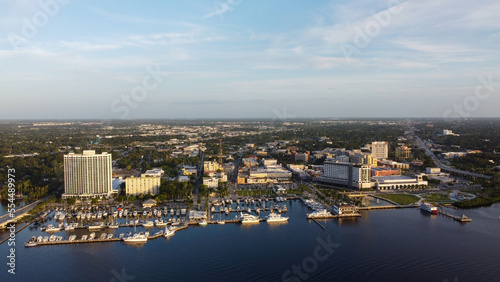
pixel 436 161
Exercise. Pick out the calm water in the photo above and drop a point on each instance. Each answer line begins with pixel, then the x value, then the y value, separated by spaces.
pixel 384 245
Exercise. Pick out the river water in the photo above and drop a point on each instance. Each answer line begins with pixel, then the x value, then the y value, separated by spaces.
pixel 382 245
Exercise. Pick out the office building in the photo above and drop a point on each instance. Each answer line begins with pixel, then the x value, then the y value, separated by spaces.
pixel 380 150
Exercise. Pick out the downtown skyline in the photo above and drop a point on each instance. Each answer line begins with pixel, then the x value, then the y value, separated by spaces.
pixel 248 59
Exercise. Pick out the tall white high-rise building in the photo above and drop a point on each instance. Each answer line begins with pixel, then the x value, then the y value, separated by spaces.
pixel 87 175
pixel 380 150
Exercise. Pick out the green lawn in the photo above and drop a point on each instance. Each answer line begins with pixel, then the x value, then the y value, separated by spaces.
pixel 436 197
pixel 402 199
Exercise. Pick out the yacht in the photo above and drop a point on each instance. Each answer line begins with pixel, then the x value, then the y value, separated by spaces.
pixel 136 238
pixel 52 228
pixel 148 224
pixel 103 236
pixel 125 212
pixel 69 227
pixel 39 239
pixel 52 238
pixel 276 217
pixel 144 213
pixel 134 214
pixel 72 238
pixel 319 214
pixel 110 236
pixel 31 243
pixel 45 239
pixel 248 218
pixel 84 237
pixel 203 223
pixel 221 222
pixel 115 214
pixel 114 225
pixel 168 232
pixel 92 236
pixel 160 223
pixel 121 236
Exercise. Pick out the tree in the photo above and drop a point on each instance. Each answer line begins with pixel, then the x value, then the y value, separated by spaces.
pixel 71 201
pixel 94 201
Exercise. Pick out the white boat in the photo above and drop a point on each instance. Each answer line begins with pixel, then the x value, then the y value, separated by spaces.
pixel 169 232
pixel 92 236
pixel 45 239
pixel 115 214
pixel 248 218
pixel 221 222
pixel 121 236
pixel 52 238
pixel 103 236
pixel 134 214
pixel 31 243
pixel 202 223
pixel 125 212
pixel 144 213
pixel 94 227
pixel 120 214
pixel 148 224
pixel 276 217
pixel 114 225
pixel 319 214
pixel 160 223
pixel 84 237
pixel 39 239
pixel 52 228
pixel 69 227
pixel 61 217
pixel 136 238
pixel 72 238
pixel 110 236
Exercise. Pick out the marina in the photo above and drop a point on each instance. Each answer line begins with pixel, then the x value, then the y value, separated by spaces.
pixel 351 234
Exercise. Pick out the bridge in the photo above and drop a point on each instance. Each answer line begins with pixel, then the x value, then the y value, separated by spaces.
pixel 436 161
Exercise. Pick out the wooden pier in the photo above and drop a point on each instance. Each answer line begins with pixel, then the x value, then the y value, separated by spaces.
pixel 462 219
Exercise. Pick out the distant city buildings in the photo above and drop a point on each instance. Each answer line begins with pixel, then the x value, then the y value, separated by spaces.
pixel 87 175
pixel 447 132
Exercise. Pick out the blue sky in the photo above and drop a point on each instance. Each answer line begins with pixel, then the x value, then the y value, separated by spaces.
pixel 73 59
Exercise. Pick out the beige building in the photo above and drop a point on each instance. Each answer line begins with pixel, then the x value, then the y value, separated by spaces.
pixel 380 150
pixel 143 185
pixel 209 166
pixel 403 152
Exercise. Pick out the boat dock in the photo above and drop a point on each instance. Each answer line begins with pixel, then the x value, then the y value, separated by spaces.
pixel 461 219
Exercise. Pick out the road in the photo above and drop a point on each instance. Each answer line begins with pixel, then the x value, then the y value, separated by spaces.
pixel 6 217
pixel 436 161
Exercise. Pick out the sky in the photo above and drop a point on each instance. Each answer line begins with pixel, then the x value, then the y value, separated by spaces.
pixel 76 59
